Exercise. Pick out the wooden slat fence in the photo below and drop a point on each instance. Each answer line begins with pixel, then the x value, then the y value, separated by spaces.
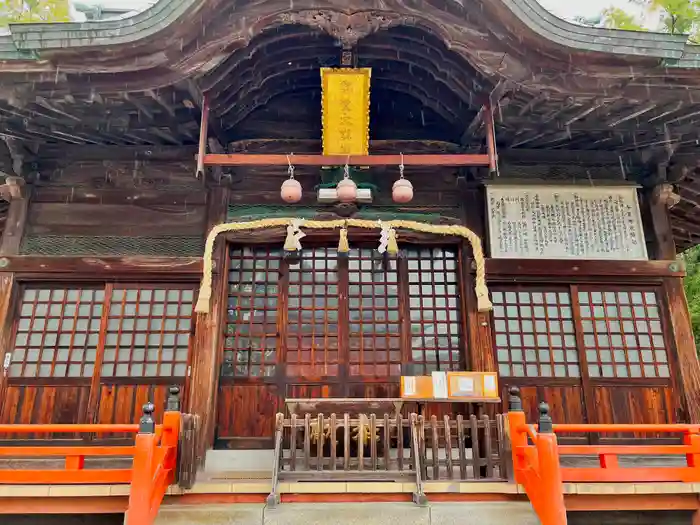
pixel 461 448
pixel 389 448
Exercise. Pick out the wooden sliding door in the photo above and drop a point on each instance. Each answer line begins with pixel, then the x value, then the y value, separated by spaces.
pixel 330 326
pixel 96 353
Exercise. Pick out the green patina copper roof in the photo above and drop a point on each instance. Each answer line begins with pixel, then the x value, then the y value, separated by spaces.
pixel 26 41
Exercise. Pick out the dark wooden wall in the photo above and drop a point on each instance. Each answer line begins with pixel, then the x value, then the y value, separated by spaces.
pixel 135 193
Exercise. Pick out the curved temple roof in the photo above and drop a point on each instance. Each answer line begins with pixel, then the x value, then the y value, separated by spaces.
pixel 34 38
pixel 558 86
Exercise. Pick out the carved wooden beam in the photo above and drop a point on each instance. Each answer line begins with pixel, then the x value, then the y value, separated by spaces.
pixel 18 154
pixel 161 102
pixel 243 159
pixel 197 97
pixel 494 98
pixel 664 195
pixel 216 147
pixel 13 189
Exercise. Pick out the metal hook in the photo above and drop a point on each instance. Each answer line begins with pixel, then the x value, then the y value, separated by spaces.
pixel 401 166
pixel 346 169
pixel 290 169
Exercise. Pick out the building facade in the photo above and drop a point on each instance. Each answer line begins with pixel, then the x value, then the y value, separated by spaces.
pixel 581 218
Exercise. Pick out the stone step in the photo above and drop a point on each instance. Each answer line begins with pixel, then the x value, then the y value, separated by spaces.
pixel 361 513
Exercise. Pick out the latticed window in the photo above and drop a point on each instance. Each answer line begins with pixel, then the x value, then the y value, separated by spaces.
pixel 622 334
pixel 373 306
pixel 330 316
pixel 534 333
pixel 148 332
pixel 555 333
pixel 434 303
pixel 57 333
pixel 126 331
pixel 251 333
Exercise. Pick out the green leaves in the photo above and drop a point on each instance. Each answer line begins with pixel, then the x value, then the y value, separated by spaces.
pixel 677 17
pixel 616 18
pixel 692 288
pixel 27 11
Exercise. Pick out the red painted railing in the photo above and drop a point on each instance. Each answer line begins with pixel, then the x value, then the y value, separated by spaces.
pixel 537 466
pixel 153 459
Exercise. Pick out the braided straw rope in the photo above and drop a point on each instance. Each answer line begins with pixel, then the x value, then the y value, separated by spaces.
pixel 482 293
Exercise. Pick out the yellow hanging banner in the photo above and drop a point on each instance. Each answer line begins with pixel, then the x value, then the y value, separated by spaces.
pixel 345 111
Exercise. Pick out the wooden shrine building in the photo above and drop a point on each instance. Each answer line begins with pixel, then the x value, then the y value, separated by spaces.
pixel 554 177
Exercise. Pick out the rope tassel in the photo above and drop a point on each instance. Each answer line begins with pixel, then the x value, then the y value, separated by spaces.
pixel 343 244
pixel 294 235
pixel 392 246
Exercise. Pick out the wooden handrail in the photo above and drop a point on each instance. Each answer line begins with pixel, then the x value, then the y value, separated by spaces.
pixel 537 465
pixel 152 471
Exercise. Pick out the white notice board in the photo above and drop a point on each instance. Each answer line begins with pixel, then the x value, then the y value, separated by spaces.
pixel 565 222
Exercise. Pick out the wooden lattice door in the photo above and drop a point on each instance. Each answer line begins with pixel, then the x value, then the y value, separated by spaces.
pixel 329 326
pixel 96 353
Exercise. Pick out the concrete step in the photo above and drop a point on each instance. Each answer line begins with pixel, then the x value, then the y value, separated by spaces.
pixel 467 513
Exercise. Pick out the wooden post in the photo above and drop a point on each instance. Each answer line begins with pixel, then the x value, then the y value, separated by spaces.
pixel 16 192
pixel 479 348
pixel 203 133
pixel 490 139
pixel 682 330
pixel 206 352
pixel 661 199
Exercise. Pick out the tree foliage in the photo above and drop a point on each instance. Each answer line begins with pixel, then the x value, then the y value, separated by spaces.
pixel 25 11
pixel 692 288
pixel 677 17
pixel 616 18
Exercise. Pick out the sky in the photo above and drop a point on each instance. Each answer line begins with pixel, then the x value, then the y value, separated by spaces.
pixel 570 9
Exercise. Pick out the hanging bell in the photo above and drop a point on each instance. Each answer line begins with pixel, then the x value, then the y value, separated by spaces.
pixel 346 190
pixel 402 191
pixel 291 188
pixel 291 191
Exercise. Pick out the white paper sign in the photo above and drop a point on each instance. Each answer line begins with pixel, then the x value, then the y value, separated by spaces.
pixel 489 385
pixel 439 385
pixel 565 222
pixel 465 386
pixel 409 386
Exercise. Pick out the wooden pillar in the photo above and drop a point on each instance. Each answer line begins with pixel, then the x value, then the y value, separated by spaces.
pixel 205 361
pixel 479 338
pixel 661 200
pixel 9 245
pixel 682 330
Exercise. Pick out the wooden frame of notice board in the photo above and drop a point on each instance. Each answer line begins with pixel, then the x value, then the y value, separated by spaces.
pixel 467 387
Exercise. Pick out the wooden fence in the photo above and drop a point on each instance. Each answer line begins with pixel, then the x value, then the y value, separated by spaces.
pixel 388 448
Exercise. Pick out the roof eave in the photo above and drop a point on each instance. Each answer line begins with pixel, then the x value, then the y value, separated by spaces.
pixel 32 39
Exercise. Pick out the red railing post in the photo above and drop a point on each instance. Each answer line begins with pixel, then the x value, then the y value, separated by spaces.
pixel 139 511
pixel 536 467
pixel 550 506
pixel 518 438
pixel 692 439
